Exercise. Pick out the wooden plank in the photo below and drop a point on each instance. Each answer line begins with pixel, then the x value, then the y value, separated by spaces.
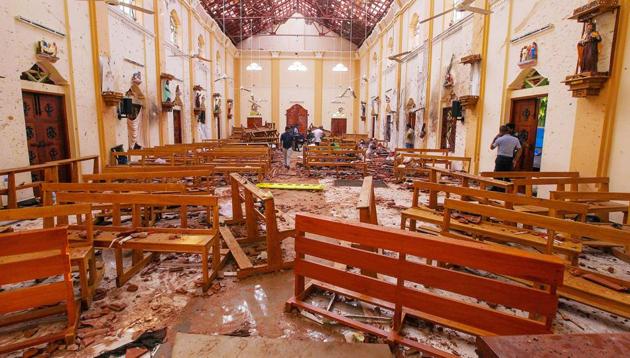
pixel 128 198
pixel 505 197
pixel 523 174
pixel 512 262
pixel 237 252
pixel 35 296
pixel 571 227
pixel 44 212
pixel 25 242
pixel 24 270
pixel 116 187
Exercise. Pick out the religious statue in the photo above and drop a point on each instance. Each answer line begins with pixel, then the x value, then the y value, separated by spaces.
pixel 136 78
pixel 254 109
pixel 166 91
pixel 529 53
pixel 339 113
pixel 47 48
pixel 588 52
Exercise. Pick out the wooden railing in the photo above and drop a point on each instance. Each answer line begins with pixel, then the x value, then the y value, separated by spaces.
pixel 51 175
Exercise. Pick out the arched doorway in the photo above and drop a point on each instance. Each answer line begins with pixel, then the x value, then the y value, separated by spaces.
pixel 45 119
pixel 528 112
pixel 298 115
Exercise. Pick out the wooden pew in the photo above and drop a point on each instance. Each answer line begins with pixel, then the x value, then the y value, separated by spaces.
pixel 579 285
pixel 198 180
pixel 430 151
pixel 599 203
pixel 81 248
pixel 32 255
pixel 50 174
pixel 529 175
pixel 336 158
pixel 465 179
pixel 204 242
pixel 502 233
pixel 560 184
pixel 419 162
pixel 246 193
pixel 471 316
pixel 252 170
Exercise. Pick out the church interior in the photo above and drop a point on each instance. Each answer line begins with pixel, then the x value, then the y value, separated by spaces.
pixel 300 178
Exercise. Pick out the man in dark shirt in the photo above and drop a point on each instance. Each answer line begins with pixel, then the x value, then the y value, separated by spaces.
pixel 287 142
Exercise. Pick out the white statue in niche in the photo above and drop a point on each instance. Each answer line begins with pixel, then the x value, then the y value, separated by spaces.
pixel 339 113
pixel 107 75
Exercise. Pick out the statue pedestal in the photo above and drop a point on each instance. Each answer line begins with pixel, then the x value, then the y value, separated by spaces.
pixel 254 121
pixel 586 84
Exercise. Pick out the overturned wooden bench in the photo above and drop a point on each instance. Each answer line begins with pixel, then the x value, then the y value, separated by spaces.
pixel 34 255
pixel 470 316
pixel 204 242
pixel 259 207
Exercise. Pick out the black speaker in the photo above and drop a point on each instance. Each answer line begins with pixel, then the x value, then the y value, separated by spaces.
pixel 127 106
pixel 456 109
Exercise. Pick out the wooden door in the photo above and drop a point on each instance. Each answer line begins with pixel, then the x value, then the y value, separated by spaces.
pixel 525 119
pixel 46 134
pixel 298 115
pixel 177 126
pixel 449 126
pixel 338 126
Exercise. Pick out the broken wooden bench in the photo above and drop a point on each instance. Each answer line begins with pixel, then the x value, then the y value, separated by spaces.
pixel 414 164
pixel 81 248
pixel 36 255
pixel 405 297
pixel 335 158
pixel 259 206
pixel 182 239
pixel 593 289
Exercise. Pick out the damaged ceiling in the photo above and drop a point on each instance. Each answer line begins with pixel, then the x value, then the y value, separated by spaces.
pixel 354 20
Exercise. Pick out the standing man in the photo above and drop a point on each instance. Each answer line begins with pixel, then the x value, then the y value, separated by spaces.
pixel 318 133
pixel 409 137
pixel 287 141
pixel 507 145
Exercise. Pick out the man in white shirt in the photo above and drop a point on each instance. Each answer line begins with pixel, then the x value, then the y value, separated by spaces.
pixel 507 145
pixel 318 133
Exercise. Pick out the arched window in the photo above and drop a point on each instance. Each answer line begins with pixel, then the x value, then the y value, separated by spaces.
pixel 174 24
pixel 130 12
pixel 414 31
pixel 457 15
pixel 218 62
